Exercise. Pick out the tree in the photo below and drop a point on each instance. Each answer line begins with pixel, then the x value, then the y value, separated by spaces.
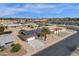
pixel 45 31
pixel 26 20
pixel 1 29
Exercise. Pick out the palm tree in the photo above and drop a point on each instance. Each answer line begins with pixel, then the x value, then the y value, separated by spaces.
pixel 45 31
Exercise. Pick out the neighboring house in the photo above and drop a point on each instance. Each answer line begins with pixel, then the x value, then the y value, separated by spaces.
pixel 25 35
pixel 13 25
pixel 31 24
pixel 6 39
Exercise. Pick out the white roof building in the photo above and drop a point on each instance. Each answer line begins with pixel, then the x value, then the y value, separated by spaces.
pixel 19 24
pixel 6 39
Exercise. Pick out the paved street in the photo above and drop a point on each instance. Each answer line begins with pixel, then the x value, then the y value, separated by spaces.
pixel 60 48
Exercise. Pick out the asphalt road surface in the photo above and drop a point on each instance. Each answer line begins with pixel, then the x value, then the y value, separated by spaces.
pixel 61 48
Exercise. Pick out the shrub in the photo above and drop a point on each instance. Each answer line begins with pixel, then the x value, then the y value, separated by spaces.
pixel 28 25
pixel 5 27
pixel 5 32
pixel 32 27
pixel 1 29
pixel 12 45
pixel 16 48
pixel 38 35
pixel 2 48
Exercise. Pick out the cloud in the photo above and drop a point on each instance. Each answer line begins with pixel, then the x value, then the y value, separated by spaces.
pixel 11 10
pixel 6 10
pixel 35 8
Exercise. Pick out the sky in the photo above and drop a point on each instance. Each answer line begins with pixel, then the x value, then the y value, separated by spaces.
pixel 39 10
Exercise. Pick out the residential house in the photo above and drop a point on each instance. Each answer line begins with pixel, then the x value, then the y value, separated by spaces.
pixel 26 35
pixel 6 39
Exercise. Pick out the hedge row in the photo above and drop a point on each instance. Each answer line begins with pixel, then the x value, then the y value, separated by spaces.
pixel 8 32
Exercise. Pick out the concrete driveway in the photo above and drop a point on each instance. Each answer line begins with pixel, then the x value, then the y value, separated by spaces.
pixel 36 44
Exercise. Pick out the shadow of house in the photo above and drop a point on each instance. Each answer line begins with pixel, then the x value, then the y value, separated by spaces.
pixel 60 48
